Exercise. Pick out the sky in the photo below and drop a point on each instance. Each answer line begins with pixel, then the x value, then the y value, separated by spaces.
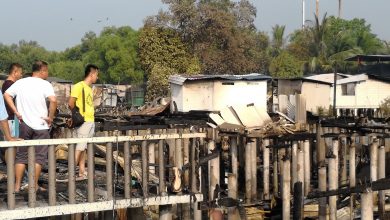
pixel 58 25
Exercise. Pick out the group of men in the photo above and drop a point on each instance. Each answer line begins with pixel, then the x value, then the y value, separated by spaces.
pixel 25 114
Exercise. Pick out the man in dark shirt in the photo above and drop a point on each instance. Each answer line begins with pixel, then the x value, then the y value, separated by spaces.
pixel 15 71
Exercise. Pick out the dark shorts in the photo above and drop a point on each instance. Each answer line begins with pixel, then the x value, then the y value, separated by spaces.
pixel 28 133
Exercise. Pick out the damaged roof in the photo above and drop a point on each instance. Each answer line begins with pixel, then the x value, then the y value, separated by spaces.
pixel 181 79
pixel 303 79
pixel 363 77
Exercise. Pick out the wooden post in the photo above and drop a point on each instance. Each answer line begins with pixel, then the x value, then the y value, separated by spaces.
pixel 320 146
pixel 367 205
pixel 232 178
pixel 232 192
pixel 253 160
pixel 286 189
pixel 179 151
pixel 281 153
pixel 298 202
pixel 186 208
pixel 145 170
pixel 300 165
pixel 300 109
pixel 214 169
pixel 374 165
pixel 248 172
pixel 186 156
pixel 11 177
pixel 307 167
pixel 374 160
pixel 151 154
pixel 352 163
pixel 333 180
pixel 343 141
pixel 352 172
pixel 194 157
pixel 266 169
pixel 233 151
pixel 171 151
pixel 294 156
pixel 161 166
pixel 275 171
pixel 381 175
pixel 322 210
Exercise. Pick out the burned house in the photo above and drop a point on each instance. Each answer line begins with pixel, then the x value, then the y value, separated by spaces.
pixel 62 89
pixel 108 95
pixel 215 92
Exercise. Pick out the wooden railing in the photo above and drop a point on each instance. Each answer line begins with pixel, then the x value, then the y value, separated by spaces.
pixel 113 199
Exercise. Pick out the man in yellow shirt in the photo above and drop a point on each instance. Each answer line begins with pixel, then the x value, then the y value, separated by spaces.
pixel 81 97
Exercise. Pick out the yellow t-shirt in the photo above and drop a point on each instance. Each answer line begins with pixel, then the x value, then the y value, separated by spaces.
pixel 77 92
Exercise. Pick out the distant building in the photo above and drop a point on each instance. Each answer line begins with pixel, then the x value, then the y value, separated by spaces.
pixel 316 93
pixel 361 93
pixel 356 94
pixel 215 92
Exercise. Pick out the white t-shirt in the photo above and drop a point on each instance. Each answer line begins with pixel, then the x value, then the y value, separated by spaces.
pixel 31 94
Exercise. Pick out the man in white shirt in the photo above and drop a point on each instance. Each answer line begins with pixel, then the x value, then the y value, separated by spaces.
pixel 35 119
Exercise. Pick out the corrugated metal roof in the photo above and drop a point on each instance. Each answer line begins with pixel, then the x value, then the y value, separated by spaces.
pixel 327 77
pixel 351 79
pixel 363 77
pixel 303 79
pixel 179 79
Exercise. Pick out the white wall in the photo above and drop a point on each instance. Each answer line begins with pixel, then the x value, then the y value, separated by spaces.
pixel 241 93
pixel 368 94
pixel 214 96
pixel 177 97
pixel 317 95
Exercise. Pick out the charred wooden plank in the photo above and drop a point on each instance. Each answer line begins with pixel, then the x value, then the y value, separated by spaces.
pixel 378 185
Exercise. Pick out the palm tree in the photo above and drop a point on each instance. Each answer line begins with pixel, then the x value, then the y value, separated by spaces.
pixel 278 40
pixel 318 32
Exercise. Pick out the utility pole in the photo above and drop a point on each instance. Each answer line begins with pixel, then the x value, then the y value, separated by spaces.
pixel 303 14
pixel 340 2
pixel 317 8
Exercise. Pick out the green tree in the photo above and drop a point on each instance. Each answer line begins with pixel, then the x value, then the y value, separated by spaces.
pixel 164 46
pixel 7 56
pixel 158 85
pixel 68 69
pixel 325 45
pixel 163 52
pixel 25 53
pixel 285 66
pixel 115 52
pixel 355 33
pixel 220 33
pixel 278 40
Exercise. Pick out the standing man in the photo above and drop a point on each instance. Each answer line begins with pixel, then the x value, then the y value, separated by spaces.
pixel 14 73
pixel 81 96
pixel 35 119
